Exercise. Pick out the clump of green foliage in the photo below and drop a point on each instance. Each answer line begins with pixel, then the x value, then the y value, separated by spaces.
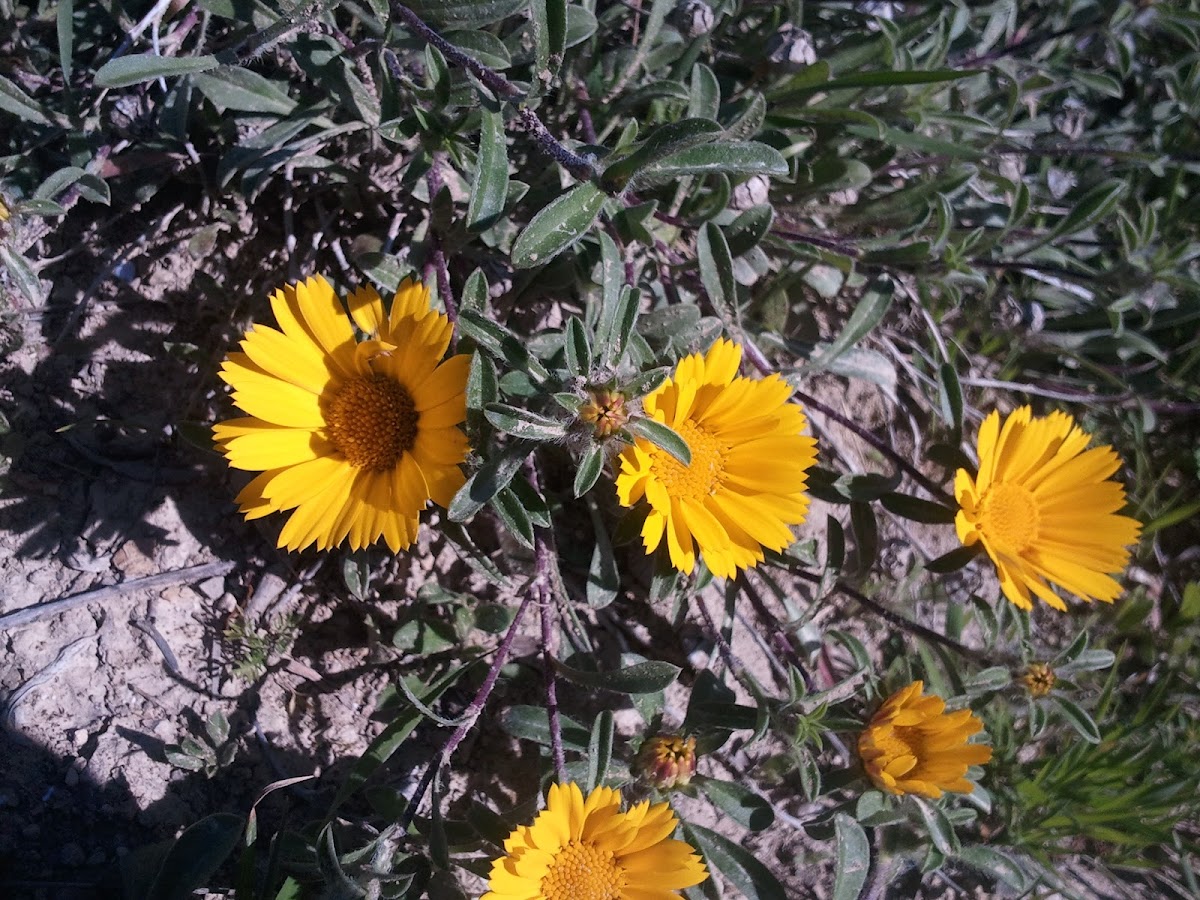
pixel 958 204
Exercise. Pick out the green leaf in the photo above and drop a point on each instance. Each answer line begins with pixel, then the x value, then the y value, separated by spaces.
pixel 662 436
pixel 1077 717
pixel 748 158
pixel 953 560
pixel 524 424
pixel 869 312
pixel 753 880
pixel 603 579
pixel 196 855
pixel 514 516
pixel 22 274
pixel 465 13
pixel 244 90
pixel 939 827
pixel 57 182
pixel 492 477
pixel 577 347
pixel 641 678
pixel 482 46
pixel 16 101
pixel 705 99
pixel 659 144
pixel 1092 208
pixel 499 342
pixel 950 396
pixel 589 470
pixel 65 26
pixel 716 270
pixel 853 858
pixel 749 228
pixel 489 188
pixel 139 67
pixel 600 748
pixel 742 804
pixel 549 18
pixel 532 723
pixel 993 678
pixel 558 226
pixel 918 510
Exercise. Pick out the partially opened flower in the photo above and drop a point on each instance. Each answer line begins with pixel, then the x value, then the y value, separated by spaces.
pixel 913 746
pixel 750 458
pixel 579 849
pixel 354 434
pixel 1045 510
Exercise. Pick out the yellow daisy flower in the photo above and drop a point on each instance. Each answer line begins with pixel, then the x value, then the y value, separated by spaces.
pixel 579 849
pixel 1045 510
pixel 912 746
pixel 750 459
pixel 354 435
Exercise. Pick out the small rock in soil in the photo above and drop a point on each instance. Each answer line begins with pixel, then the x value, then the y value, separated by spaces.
pixel 212 588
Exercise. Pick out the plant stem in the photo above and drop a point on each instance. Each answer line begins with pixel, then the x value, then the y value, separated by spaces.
pixel 434 182
pixel 544 556
pixel 495 82
pixel 470 716
pixel 577 165
pixel 898 620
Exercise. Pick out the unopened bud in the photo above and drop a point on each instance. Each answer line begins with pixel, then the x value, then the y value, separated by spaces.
pixel 667 761
pixel 1038 679
pixel 605 411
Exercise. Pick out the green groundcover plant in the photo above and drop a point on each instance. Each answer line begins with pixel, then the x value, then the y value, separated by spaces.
pixel 594 283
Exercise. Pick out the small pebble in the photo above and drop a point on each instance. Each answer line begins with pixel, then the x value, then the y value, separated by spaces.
pixel 32 830
pixel 79 737
pixel 212 588
pixel 72 777
pixel 96 858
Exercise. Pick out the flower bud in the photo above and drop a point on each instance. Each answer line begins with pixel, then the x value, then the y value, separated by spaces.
pixel 1038 679
pixel 667 761
pixel 605 411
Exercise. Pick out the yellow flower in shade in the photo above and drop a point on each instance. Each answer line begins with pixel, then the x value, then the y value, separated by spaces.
pixel 1044 509
pixel 913 746
pixel 355 435
pixel 579 849
pixel 750 460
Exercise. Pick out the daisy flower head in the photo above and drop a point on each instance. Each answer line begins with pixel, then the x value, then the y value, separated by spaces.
pixel 745 485
pixel 1044 508
pixel 913 746
pixel 354 433
pixel 587 849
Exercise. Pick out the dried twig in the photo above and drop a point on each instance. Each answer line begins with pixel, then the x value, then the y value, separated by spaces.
pixel 30 614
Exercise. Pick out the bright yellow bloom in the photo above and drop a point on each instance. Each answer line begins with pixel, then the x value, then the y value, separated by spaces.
pixel 579 849
pixel 355 435
pixel 750 459
pixel 1045 510
pixel 912 746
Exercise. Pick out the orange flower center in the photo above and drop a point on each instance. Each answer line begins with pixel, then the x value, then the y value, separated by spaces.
pixel 1008 516
pixel 581 871
pixel 899 741
pixel 698 480
pixel 372 420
